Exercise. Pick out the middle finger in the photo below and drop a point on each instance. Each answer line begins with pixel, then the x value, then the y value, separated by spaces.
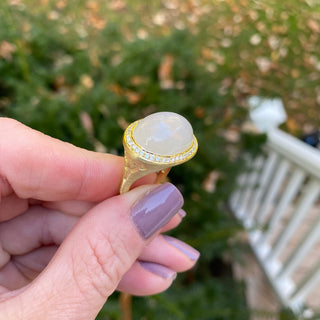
pixel 38 226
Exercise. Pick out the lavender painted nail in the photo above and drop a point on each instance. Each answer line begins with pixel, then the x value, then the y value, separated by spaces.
pixel 190 252
pixel 156 209
pixel 182 213
pixel 158 269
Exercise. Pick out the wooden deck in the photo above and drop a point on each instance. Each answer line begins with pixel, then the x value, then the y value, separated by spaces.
pixel 262 301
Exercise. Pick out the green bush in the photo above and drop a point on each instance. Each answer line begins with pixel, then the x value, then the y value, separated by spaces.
pixel 59 81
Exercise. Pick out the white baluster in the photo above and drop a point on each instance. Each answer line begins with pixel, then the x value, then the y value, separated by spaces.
pixel 262 184
pixel 253 176
pixel 309 197
pixel 273 190
pixel 310 282
pixel 291 190
pixel 295 259
pixel 237 197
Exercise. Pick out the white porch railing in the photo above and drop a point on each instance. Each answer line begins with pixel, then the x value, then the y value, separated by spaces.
pixel 278 203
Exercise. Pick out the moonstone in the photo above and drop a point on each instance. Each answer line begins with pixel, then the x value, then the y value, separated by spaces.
pixel 164 133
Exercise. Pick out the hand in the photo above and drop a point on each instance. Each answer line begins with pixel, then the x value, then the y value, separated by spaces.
pixel 68 240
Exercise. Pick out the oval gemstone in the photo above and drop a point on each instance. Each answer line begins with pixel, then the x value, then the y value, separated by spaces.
pixel 164 133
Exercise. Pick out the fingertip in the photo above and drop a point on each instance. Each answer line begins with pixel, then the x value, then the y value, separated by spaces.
pixel 182 213
pixel 146 278
pixel 159 270
pixel 183 247
pixel 175 221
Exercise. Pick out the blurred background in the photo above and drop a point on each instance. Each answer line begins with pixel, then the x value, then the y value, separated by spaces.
pixel 81 71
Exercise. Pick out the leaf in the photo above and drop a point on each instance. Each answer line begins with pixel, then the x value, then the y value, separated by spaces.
pixel 86 122
pixel 133 97
pixel 96 21
pixel 138 80
pixel 159 18
pixel 211 180
pixel 255 39
pixel 207 53
pixel 273 42
pixel 86 81
pixel 264 64
pixel 164 72
pixel 117 5
pixel 313 25
pixel 115 88
pixel 6 50
pixel 53 15
pixel 92 5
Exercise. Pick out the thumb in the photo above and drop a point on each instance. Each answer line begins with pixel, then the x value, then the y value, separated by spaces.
pixel 96 254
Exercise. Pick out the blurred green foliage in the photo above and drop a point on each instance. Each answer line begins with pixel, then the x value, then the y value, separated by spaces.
pixel 82 70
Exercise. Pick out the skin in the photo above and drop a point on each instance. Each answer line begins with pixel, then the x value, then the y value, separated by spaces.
pixel 66 238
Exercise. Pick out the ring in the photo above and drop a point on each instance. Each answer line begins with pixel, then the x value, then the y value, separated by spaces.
pixel 155 144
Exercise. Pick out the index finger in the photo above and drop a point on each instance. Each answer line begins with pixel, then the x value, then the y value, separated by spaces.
pixel 34 165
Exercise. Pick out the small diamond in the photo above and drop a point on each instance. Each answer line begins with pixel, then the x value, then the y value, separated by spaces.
pixel 146 155
pixel 141 153
pixel 177 158
pixel 172 159
pixel 181 157
pixel 163 160
pixel 151 157
pixel 158 159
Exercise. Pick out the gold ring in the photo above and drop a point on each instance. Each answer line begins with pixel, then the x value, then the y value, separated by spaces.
pixel 155 144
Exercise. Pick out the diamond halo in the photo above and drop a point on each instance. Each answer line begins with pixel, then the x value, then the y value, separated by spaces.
pixel 147 156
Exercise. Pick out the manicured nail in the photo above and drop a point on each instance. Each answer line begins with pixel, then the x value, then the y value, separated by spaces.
pixel 190 252
pixel 158 269
pixel 182 213
pixel 156 209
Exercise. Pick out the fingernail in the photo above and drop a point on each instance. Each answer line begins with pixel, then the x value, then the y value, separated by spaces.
pixel 158 269
pixel 156 209
pixel 190 252
pixel 182 213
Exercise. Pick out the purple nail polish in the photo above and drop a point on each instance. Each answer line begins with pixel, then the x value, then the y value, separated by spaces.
pixel 158 269
pixel 156 209
pixel 182 213
pixel 190 252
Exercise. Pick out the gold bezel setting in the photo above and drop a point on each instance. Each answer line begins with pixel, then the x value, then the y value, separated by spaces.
pixel 149 157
